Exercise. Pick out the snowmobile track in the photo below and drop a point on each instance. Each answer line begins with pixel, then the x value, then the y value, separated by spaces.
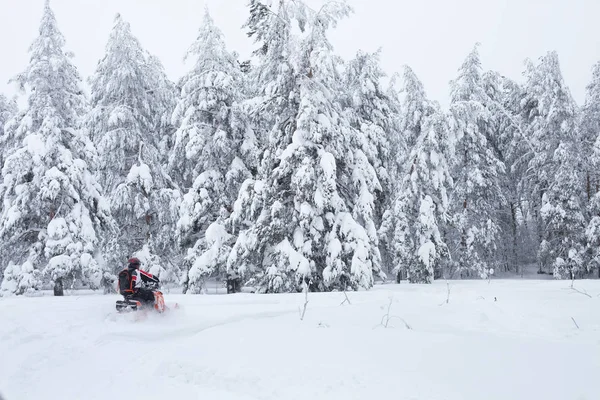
pixel 188 331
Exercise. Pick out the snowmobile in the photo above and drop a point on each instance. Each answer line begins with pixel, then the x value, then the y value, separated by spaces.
pixel 130 304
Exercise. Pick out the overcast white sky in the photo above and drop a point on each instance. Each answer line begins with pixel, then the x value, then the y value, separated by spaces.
pixel 432 36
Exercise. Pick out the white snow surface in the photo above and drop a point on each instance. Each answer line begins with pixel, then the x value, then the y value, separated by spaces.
pixel 495 341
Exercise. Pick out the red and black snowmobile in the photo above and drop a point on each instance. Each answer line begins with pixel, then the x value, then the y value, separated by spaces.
pixel 131 303
pixel 139 289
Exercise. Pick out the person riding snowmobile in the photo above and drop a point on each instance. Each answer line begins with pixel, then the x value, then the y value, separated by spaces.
pixel 131 280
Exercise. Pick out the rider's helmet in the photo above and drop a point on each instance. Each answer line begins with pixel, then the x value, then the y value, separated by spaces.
pixel 134 263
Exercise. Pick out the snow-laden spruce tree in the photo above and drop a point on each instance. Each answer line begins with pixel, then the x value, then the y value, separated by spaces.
pixel 8 140
pixel 131 102
pixel 562 213
pixel 274 106
pixel 214 150
pixel 54 213
pixel 410 107
pixel 592 235
pixel 590 144
pixel 317 202
pixel 275 81
pixel 273 84
pixel 550 117
pixel 590 132
pixel 371 114
pixel 163 97
pixel 8 110
pixel 415 108
pixel 477 174
pixel 399 145
pixel 421 209
pixel 413 226
pixel 397 153
pixel 209 115
pixel 505 133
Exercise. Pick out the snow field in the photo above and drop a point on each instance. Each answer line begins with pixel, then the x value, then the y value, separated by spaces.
pixel 503 340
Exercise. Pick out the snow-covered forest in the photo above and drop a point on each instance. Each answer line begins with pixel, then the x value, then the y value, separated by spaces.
pixel 294 168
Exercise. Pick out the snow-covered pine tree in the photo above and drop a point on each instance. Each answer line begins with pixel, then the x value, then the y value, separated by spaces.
pixel 371 114
pixel 592 235
pixel 203 115
pixel 399 145
pixel 398 151
pixel 54 213
pixel 477 174
pixel 163 97
pixel 590 140
pixel 421 209
pixel 8 119
pixel 370 111
pixel 260 21
pixel 412 228
pixel 318 199
pixel 415 108
pixel 550 117
pixel 131 101
pixel 8 110
pixel 275 104
pixel 590 133
pixel 410 109
pixel 505 133
pixel 274 81
pixel 562 213
pixel 215 150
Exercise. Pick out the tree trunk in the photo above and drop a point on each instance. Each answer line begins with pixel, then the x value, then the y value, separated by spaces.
pixel 515 258
pixel 58 287
pixel 539 228
pixel 186 282
pixel 588 187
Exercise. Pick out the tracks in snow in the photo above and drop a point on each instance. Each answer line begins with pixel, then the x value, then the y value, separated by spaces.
pixel 162 334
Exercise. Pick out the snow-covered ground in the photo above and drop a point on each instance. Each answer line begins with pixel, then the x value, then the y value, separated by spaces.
pixel 506 340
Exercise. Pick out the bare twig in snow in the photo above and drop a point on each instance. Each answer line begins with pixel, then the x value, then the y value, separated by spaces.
pixel 581 292
pixel 347 299
pixel 303 310
pixel 385 320
pixel 402 319
pixel 447 294
pixel 386 317
pixel 575 322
